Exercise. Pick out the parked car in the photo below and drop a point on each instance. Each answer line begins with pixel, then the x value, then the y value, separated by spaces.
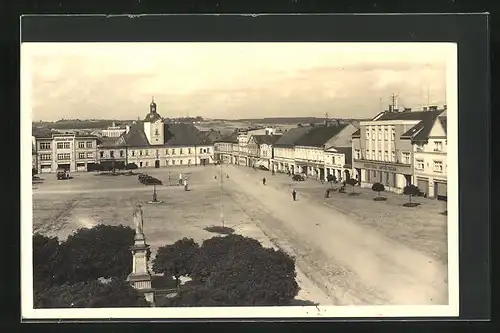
pixel 62 174
pixel 298 178
pixel 261 167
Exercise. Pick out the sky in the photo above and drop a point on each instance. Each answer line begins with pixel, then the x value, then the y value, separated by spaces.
pixel 230 80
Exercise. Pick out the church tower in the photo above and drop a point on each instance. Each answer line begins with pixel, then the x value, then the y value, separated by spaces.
pixel 153 126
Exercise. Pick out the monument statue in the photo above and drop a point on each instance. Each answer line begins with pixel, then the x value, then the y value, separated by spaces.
pixel 138 219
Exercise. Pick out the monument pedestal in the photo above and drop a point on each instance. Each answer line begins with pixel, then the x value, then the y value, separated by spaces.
pixel 140 278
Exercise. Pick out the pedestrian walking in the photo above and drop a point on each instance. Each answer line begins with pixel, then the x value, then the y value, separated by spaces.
pixel 294 195
pixel 264 181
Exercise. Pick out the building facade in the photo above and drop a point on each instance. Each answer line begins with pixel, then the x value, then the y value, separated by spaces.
pixel 284 150
pixel 113 131
pixel 430 172
pixel 382 148
pixel 260 149
pixel 70 151
pixel 224 149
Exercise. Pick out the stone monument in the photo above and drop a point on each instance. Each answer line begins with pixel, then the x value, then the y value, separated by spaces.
pixel 140 278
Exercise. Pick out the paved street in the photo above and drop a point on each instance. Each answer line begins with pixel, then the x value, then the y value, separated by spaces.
pixel 340 260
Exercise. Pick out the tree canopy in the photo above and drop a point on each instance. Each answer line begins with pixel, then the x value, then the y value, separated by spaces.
pixel 90 294
pixel 235 270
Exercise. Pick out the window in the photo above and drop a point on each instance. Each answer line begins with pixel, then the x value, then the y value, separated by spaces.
pixel 90 155
pixel 393 133
pixel 393 157
pixel 64 157
pixel 438 146
pixel 140 164
pixel 379 134
pixel 81 155
pixel 147 154
pixel 140 152
pixel 180 151
pixel 208 150
pixel 189 150
pixel 63 145
pixel 44 145
pixel 45 157
pixel 386 134
pixel 438 166
pixel 367 133
pixel 121 153
pixel 157 132
pixel 406 157
pixel 166 151
pixel 374 156
pixel 420 164
pixel 111 153
pixel 189 161
pixel 157 152
pixel 356 154
pixel 201 150
pixel 88 144
pixel 101 153
pixel 333 160
pixel 81 144
pixel 173 162
pixel 373 133
pixel 147 163
pixel 367 154
pixel 173 151
pixel 133 152
pixel 386 156
pixel 180 162
pixel 379 157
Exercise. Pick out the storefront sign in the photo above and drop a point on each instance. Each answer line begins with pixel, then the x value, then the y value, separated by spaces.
pixel 401 169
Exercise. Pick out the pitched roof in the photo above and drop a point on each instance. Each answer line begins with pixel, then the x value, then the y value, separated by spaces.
pixel 266 139
pixel 175 135
pixel 232 138
pixel 136 136
pixel 411 115
pixel 421 131
pixel 291 136
pixel 357 133
pixel 184 135
pixel 444 123
pixel 318 136
pixel 106 142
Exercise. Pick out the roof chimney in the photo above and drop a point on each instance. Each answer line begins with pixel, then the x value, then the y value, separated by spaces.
pixel 445 107
pixel 433 107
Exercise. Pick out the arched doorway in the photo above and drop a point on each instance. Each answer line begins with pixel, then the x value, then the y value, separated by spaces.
pixel 157 164
pixel 347 174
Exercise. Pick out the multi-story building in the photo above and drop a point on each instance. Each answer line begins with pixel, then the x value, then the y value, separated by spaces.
pixel 430 159
pixel 260 149
pixel 223 148
pixel 338 153
pixel 382 148
pixel 156 143
pixel 113 131
pixel 112 150
pixel 33 157
pixel 310 149
pixel 243 149
pixel 284 150
pixel 71 151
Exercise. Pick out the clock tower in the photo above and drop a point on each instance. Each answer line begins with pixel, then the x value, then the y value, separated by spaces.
pixel 154 127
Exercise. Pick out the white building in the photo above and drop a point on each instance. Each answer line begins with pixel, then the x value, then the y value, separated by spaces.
pixel 284 150
pixel 113 131
pixel 430 165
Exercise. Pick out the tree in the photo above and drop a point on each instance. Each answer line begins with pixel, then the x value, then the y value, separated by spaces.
pixel 411 190
pixel 352 182
pixel 198 295
pixel 102 251
pixel 90 294
pixel 47 262
pixel 331 179
pixel 378 187
pixel 176 259
pixel 249 273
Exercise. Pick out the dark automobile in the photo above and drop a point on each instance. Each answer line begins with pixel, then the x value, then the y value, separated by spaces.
pixel 298 178
pixel 148 180
pixel 261 167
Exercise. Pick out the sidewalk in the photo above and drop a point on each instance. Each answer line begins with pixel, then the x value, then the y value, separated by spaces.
pixel 423 228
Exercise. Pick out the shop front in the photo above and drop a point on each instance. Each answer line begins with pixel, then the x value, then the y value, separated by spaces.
pixel 394 176
pixel 440 189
